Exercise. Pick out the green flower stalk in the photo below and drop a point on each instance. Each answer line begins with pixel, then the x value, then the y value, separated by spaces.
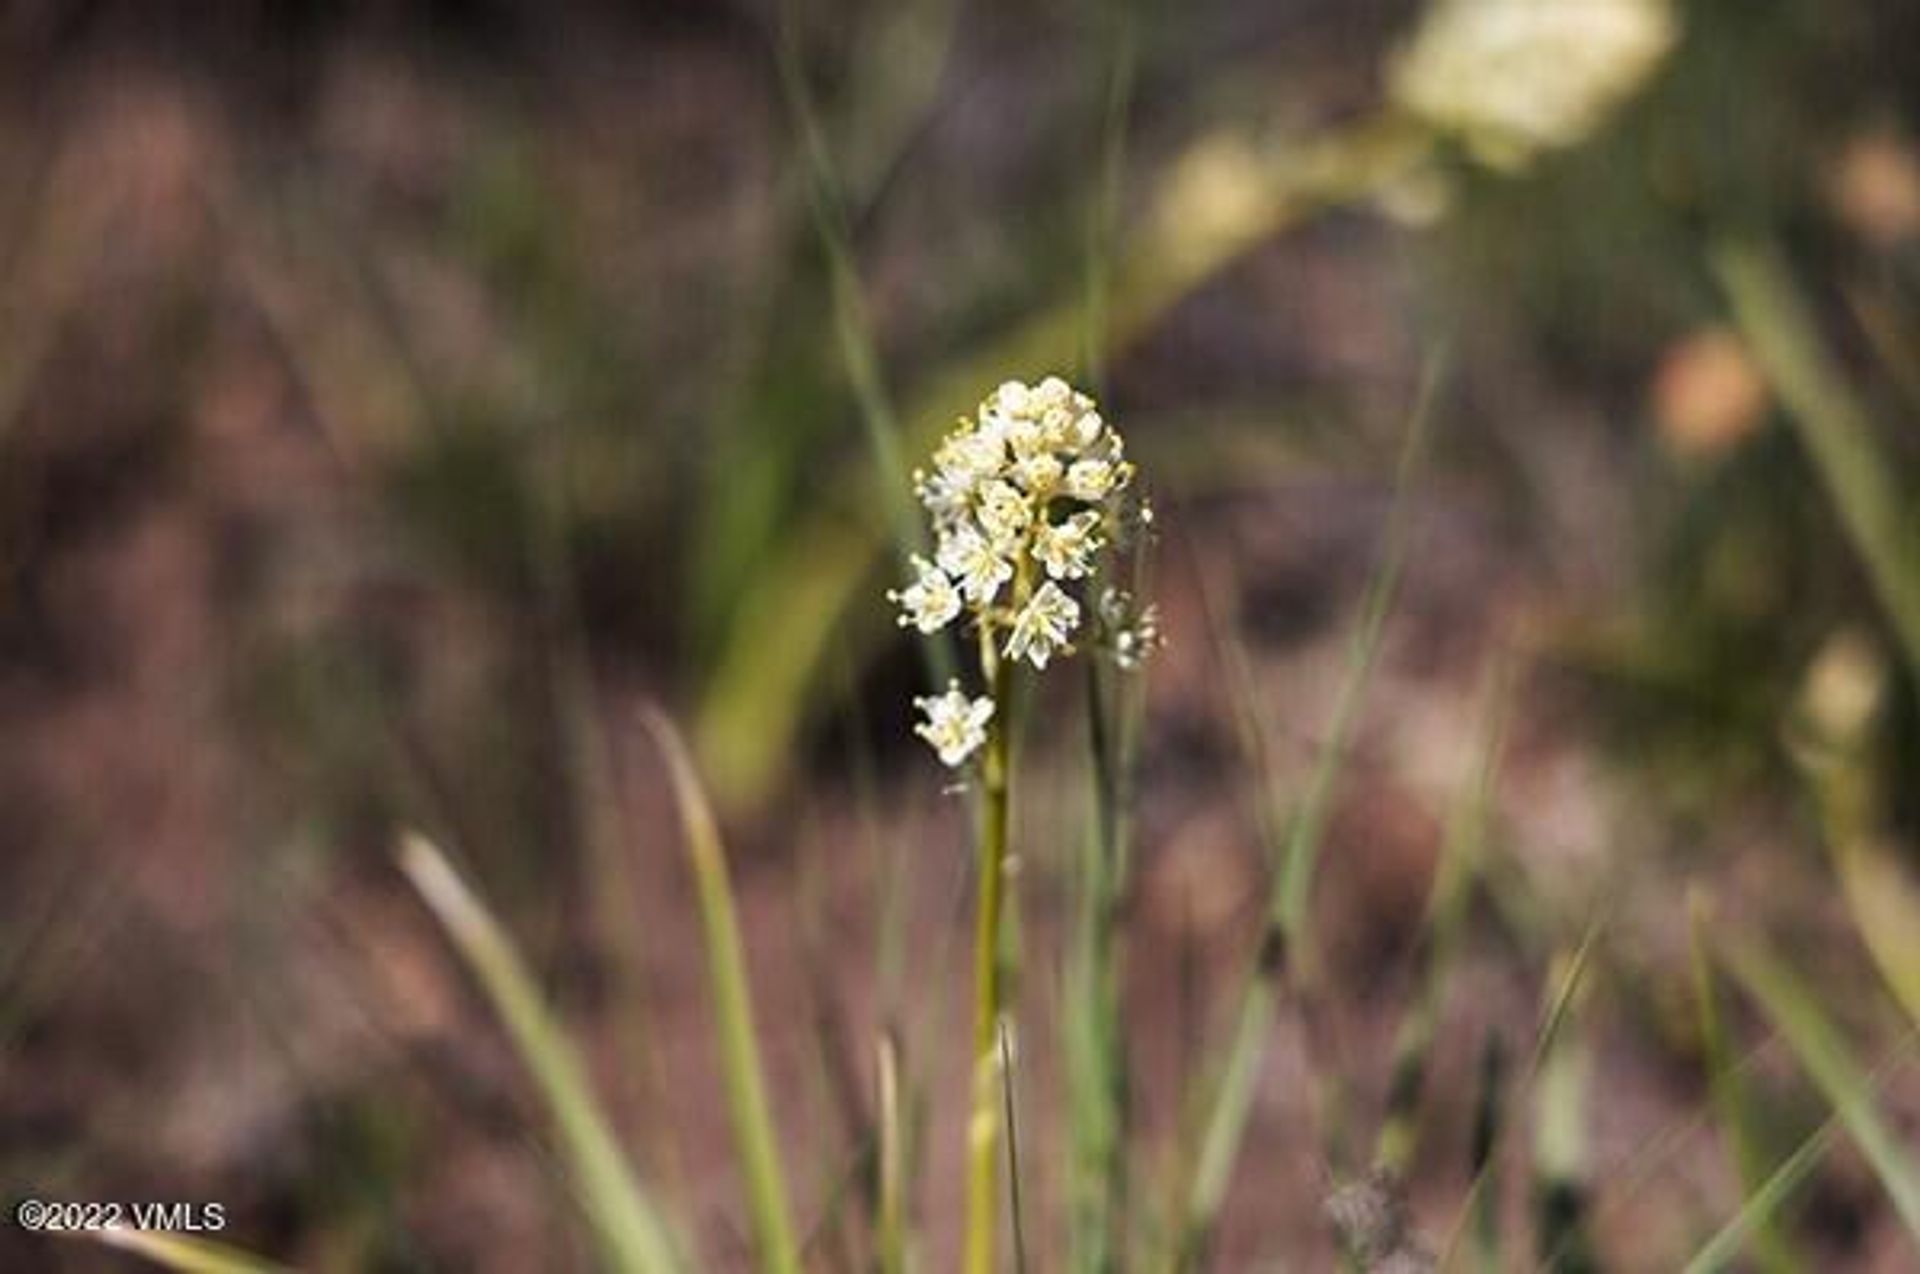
pixel 1031 506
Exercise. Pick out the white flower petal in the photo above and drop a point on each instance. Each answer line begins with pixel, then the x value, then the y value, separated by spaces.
pixel 1042 627
pixel 955 726
pixel 930 602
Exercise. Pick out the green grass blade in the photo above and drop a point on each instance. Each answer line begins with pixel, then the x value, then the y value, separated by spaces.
pixel 1225 1125
pixel 1561 1143
pixel 1094 1032
pixel 1834 425
pixel 1572 979
pixel 753 704
pixel 1838 742
pixel 1724 1248
pixel 733 1011
pixel 632 1234
pixel 183 1254
pixel 891 1237
pixel 1734 1109
pixel 1103 217
pixel 1483 1198
pixel 1224 1122
pixel 1884 899
pixel 1016 1205
pixel 1828 1060
pixel 1447 907
pixel 851 326
pixel 1756 1216
pixel 854 330
pixel 756 698
pixel 1487 1154
pixel 1309 825
pixel 1097 1071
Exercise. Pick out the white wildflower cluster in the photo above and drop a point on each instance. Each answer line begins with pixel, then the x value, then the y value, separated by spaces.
pixel 1027 498
pixel 1513 78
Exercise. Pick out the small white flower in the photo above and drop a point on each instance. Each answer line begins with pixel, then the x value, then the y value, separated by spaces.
pixel 1090 480
pixel 972 457
pixel 1040 474
pixel 972 559
pixel 1051 393
pixel 1067 550
pixel 1086 429
pixel 1003 512
pixel 945 496
pixel 930 602
pixel 1011 398
pixel 1056 426
pixel 1043 626
pixel 956 726
pixel 1026 437
pixel 1132 645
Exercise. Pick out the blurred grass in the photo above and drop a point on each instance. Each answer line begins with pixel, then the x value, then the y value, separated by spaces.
pixel 890 1240
pixel 1482 1211
pixel 1565 983
pixel 1738 1117
pixel 1754 1220
pixel 1828 1059
pixel 1840 741
pixel 1562 1093
pixel 633 1234
pixel 184 1254
pixel 1093 1039
pixel 1284 959
pixel 1443 928
pixel 1862 480
pixel 755 1137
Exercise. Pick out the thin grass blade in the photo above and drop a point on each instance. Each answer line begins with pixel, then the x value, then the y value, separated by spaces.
pixel 1561 1142
pixel 1016 1211
pixel 891 1240
pixel 1834 425
pixel 1483 1203
pixel 632 1234
pixel 1839 742
pixel 1224 1120
pixel 1447 907
pixel 754 1136
pixel 1763 1203
pixel 182 1253
pixel 1309 824
pixel 1829 1061
pixel 1733 1109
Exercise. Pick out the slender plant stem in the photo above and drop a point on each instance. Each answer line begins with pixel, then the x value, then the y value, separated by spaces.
pixel 983 1127
pixel 1013 1151
pixel 892 1241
